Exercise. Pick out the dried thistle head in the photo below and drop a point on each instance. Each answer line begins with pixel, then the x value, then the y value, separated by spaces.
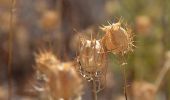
pixel 92 56
pixel 92 60
pixel 117 39
pixel 68 84
pixel 62 81
pixel 46 61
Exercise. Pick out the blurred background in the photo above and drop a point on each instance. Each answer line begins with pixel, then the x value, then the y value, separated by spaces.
pixel 55 25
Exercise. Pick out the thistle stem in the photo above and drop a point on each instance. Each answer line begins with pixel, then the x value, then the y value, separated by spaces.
pixel 10 50
pixel 94 90
pixel 125 83
pixel 123 66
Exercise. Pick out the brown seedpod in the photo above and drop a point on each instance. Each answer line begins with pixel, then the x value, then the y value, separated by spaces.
pixel 92 61
pixel 92 56
pixel 67 85
pixel 61 80
pixel 117 39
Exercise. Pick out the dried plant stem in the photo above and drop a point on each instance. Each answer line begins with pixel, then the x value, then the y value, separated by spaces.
pixel 125 81
pixel 161 75
pixel 123 65
pixel 94 90
pixel 10 50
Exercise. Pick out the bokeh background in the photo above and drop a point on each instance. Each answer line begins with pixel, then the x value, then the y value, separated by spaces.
pixel 55 24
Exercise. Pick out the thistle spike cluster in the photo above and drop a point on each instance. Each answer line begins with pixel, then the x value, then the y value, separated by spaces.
pixel 92 54
pixel 46 62
pixel 92 61
pixel 117 39
pixel 62 81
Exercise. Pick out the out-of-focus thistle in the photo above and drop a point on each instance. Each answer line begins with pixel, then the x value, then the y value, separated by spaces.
pixel 46 62
pixel 49 20
pixel 142 90
pixel 92 55
pixel 92 62
pixel 61 81
pixel 117 39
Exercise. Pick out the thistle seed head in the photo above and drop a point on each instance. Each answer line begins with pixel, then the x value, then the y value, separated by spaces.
pixel 62 81
pixel 46 61
pixel 92 56
pixel 117 39
pixel 69 84
pixel 92 62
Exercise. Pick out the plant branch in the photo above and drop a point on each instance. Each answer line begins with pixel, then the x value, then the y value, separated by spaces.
pixel 94 90
pixel 10 42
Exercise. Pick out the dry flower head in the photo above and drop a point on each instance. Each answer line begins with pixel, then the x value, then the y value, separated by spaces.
pixel 46 61
pixel 62 81
pixel 68 84
pixel 92 61
pixel 117 39
pixel 92 55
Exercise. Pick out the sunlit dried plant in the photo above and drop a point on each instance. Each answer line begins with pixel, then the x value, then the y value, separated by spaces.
pixel 46 62
pixel 61 79
pixel 92 62
pixel 67 84
pixel 117 39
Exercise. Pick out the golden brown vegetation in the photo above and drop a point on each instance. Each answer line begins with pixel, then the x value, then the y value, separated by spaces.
pixel 62 81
